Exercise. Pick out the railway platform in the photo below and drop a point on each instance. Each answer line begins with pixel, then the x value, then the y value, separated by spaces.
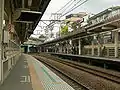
pixel 30 74
pixel 104 62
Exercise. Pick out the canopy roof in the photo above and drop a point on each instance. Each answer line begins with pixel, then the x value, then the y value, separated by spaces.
pixel 26 14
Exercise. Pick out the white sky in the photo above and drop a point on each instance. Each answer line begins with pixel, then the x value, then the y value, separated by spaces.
pixel 92 6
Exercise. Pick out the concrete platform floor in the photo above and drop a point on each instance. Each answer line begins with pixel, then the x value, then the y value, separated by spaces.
pixel 30 74
pixel 16 79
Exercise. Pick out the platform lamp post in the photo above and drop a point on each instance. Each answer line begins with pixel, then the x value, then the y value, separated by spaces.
pixel 1 36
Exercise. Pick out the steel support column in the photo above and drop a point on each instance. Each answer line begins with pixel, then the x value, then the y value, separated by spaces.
pixel 116 43
pixel 92 48
pixel 79 47
pixel 1 36
pixel 60 48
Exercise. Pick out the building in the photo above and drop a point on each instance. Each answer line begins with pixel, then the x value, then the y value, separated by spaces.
pixel 100 37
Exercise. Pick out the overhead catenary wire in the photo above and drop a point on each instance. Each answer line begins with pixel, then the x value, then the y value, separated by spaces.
pixel 73 5
pixel 68 4
pixel 61 9
pixel 65 5
pixel 74 8
pixel 71 9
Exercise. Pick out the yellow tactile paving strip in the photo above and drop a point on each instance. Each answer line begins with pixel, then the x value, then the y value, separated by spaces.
pixel 43 78
pixel 36 84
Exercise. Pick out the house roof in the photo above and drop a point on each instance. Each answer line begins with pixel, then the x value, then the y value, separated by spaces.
pixel 105 12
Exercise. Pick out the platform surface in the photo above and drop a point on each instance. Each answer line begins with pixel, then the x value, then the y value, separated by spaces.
pixel 92 57
pixel 30 74
pixel 16 79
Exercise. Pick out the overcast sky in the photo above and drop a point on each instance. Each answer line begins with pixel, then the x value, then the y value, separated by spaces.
pixel 91 6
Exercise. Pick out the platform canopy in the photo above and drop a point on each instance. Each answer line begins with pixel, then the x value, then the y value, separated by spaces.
pixel 25 15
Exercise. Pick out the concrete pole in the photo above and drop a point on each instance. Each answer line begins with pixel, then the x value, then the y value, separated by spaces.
pixel 1 32
pixel 80 47
pixel 116 43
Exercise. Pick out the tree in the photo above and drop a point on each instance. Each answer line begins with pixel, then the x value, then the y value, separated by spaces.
pixel 64 29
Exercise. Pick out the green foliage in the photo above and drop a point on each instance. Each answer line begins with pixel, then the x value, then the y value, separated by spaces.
pixel 64 29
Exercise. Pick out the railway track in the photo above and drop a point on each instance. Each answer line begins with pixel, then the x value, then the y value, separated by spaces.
pixel 100 73
pixel 104 75
pixel 79 85
pixel 112 76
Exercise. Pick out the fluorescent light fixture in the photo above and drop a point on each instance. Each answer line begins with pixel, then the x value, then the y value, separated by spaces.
pixel 34 12
pixel 24 21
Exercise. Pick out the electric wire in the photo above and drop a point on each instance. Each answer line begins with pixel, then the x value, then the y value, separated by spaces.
pixel 74 5
pixel 70 3
pixel 74 8
pixel 65 5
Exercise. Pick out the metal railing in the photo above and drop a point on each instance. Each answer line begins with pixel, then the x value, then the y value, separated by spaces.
pixel 12 52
